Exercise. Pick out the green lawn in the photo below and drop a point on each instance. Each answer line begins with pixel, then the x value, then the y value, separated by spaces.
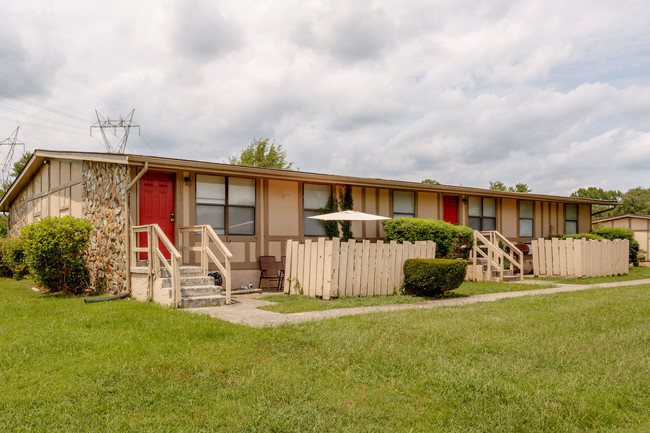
pixel 571 362
pixel 636 273
pixel 287 304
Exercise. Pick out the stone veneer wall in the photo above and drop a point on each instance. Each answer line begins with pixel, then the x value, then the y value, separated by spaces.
pixel 18 214
pixel 103 201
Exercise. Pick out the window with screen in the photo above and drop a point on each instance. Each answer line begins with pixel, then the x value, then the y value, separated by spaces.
pixel 226 203
pixel 314 198
pixel 482 213
pixel 571 219
pixel 526 213
pixel 403 204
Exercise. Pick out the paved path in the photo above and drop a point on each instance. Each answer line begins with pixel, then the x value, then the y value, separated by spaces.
pixel 244 307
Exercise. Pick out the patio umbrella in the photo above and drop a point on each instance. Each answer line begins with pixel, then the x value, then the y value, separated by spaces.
pixel 348 215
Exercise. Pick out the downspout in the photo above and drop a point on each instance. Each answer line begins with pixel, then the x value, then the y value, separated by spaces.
pixel 127 225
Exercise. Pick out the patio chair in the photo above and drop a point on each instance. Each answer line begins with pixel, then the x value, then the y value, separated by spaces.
pixel 283 262
pixel 269 272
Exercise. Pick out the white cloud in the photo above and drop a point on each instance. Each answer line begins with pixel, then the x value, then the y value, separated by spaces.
pixel 550 93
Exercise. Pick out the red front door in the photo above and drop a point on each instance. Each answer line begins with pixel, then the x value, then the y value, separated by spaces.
pixel 157 205
pixel 451 209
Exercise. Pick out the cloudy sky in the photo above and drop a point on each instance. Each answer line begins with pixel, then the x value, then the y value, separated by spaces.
pixel 554 94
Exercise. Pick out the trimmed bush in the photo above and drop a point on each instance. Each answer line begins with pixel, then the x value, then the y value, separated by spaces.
pixel 588 236
pixel 431 277
pixel 55 253
pixel 451 241
pixel 12 258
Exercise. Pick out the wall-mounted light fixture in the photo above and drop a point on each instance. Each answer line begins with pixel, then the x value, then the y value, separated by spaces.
pixel 187 180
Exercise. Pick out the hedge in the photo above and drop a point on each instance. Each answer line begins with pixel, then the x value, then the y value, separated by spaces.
pixel 611 233
pixel 12 258
pixel 451 241
pixel 431 277
pixel 55 252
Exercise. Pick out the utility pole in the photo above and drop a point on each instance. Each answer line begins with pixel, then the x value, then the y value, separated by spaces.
pixel 12 141
pixel 123 123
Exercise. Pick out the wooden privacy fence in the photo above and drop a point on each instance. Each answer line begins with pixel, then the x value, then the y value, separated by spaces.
pixel 580 257
pixel 329 268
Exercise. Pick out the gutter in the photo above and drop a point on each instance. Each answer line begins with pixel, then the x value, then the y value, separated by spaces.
pixel 603 211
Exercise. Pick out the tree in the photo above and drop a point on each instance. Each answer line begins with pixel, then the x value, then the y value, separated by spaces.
pixel 497 185
pixel 635 201
pixel 431 182
pixel 600 194
pixel 346 203
pixel 263 153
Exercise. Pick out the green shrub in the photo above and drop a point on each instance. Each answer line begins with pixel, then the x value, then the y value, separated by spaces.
pixel 55 250
pixel 12 258
pixel 588 236
pixel 612 233
pixel 451 241
pixel 430 277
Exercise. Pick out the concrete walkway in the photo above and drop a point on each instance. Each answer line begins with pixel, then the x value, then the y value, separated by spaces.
pixel 244 307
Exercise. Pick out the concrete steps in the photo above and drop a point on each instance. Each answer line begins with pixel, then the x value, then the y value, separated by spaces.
pixel 508 276
pixel 197 290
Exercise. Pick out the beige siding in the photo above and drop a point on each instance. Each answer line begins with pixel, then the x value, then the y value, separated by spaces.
pixel 509 222
pixel 427 205
pixel 55 190
pixel 584 218
pixel 284 202
pixel 370 203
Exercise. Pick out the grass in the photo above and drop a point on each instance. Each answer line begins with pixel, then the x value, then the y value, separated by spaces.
pixel 287 304
pixel 571 362
pixel 636 273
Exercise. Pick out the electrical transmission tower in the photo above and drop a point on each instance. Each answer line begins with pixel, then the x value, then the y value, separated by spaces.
pixel 12 142
pixel 123 123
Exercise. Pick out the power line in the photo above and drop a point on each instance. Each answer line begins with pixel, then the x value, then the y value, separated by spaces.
pixel 43 107
pixel 37 117
pixel 37 125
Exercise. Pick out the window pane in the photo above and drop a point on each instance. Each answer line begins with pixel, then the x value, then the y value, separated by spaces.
pixel 475 223
pixel 571 212
pixel 403 215
pixel 316 196
pixel 210 189
pixel 403 202
pixel 241 191
pixel 312 227
pixel 475 207
pixel 241 220
pixel 212 215
pixel 489 223
pixel 526 209
pixel 571 227
pixel 526 228
pixel 489 208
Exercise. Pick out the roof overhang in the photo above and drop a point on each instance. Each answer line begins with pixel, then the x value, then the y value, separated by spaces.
pixel 41 157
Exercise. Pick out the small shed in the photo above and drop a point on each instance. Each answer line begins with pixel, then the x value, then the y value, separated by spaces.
pixel 640 224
